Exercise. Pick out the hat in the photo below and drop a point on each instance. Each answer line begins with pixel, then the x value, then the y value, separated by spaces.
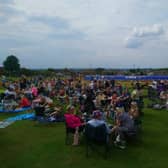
pixel 97 113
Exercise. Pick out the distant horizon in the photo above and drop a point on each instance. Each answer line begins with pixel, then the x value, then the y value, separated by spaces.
pixel 89 66
pixel 95 68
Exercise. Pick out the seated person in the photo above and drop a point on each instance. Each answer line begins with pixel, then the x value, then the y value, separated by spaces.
pixel 34 91
pixel 9 105
pixel 56 115
pixel 49 101
pixel 74 122
pixel 36 101
pixel 10 93
pixel 134 111
pixel 163 99
pixel 124 125
pixel 167 104
pixel 56 111
pixel 97 121
pixel 24 102
pixel 39 106
pixel 62 95
pixel 28 94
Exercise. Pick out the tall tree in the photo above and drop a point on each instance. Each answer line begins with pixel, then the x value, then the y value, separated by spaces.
pixel 11 64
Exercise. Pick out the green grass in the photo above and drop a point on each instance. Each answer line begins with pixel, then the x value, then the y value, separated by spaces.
pixel 30 145
pixel 2 90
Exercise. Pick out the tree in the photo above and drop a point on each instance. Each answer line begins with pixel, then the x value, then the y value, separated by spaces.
pixel 11 64
pixel 27 72
pixel 99 71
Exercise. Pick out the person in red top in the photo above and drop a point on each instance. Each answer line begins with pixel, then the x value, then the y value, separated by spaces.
pixel 24 102
pixel 74 122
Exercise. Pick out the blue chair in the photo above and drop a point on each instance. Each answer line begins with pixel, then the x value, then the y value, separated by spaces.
pixel 96 136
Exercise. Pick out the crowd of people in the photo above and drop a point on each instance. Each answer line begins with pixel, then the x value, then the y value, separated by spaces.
pixel 79 102
pixel 158 95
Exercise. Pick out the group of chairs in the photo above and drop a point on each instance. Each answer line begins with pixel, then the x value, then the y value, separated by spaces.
pixel 93 136
pixel 96 136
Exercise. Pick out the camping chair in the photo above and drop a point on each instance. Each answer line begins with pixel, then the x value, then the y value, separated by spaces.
pixel 133 135
pixel 96 136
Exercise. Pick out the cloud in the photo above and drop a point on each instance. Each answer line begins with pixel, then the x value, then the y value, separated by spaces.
pixel 68 35
pixel 6 2
pixel 18 27
pixel 56 22
pixel 8 12
pixel 140 35
pixel 84 31
pixel 133 42
pixel 154 30
pixel 60 28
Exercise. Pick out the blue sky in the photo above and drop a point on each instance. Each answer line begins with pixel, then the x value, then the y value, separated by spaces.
pixel 85 33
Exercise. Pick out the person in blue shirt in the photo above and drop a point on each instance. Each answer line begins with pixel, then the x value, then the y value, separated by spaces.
pixel 98 120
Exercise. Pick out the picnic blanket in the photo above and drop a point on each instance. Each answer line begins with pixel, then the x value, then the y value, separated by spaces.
pixel 4 124
pixel 11 120
pixel 16 110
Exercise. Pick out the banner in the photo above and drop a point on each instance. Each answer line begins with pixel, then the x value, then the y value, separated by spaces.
pixel 122 77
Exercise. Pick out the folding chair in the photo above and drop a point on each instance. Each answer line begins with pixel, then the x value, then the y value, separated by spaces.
pixel 96 136
pixel 133 135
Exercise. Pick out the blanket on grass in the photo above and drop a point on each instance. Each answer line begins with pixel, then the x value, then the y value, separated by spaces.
pixel 11 120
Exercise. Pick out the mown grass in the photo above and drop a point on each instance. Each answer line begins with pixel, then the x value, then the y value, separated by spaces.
pixel 31 145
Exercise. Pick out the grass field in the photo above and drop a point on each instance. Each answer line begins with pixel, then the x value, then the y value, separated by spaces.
pixel 30 145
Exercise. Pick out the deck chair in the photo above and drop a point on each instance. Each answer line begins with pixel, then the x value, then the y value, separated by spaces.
pixel 96 136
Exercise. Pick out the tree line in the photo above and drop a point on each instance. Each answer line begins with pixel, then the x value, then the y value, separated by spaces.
pixel 12 67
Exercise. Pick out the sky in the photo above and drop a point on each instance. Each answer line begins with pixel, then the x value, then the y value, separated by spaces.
pixel 85 33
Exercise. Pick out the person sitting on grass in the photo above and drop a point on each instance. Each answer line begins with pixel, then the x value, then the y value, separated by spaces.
pixel 56 115
pixel 34 91
pixel 74 123
pixel 24 102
